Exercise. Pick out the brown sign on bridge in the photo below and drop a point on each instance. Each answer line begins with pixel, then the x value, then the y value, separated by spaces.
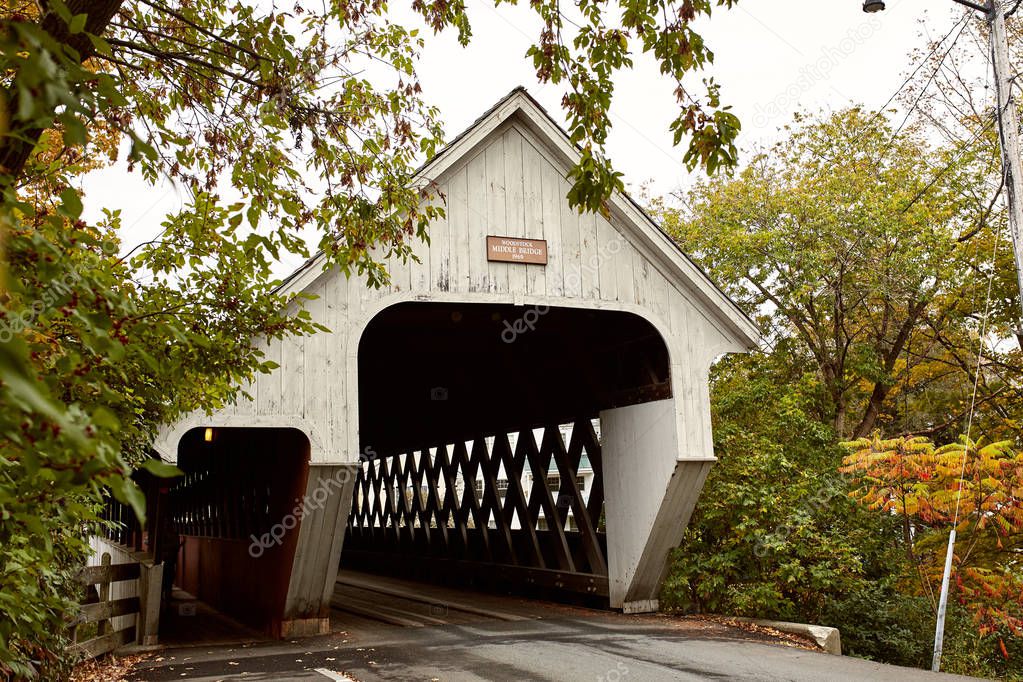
pixel 515 250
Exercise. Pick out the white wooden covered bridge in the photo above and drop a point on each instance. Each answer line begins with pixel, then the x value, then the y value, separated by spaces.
pixel 384 444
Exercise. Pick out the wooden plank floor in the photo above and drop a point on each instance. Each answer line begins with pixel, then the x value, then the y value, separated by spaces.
pixel 364 600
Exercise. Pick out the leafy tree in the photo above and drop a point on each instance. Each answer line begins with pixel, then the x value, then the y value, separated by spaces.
pixel 287 129
pixel 779 537
pixel 867 256
pixel 870 249
pixel 912 480
pixel 784 535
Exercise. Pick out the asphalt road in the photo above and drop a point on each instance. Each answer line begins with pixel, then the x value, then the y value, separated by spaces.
pixel 606 648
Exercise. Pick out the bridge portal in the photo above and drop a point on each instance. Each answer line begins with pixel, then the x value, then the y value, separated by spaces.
pixel 525 402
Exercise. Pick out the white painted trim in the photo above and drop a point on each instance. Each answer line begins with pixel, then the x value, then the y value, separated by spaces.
pixel 166 443
pixel 307 278
pixel 690 351
pixel 709 294
pixel 459 150
pixel 639 442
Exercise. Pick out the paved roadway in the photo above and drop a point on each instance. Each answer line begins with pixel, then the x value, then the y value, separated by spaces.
pixel 602 647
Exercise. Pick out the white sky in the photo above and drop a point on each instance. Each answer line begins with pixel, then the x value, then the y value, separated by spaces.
pixel 773 57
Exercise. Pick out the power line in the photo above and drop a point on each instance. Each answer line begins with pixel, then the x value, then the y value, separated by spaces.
pixel 922 63
pixel 937 70
pixel 955 159
pixel 976 377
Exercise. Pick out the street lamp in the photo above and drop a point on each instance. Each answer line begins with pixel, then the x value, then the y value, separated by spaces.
pixel 872 6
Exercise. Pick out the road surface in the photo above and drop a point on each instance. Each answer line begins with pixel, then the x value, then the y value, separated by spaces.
pixel 601 647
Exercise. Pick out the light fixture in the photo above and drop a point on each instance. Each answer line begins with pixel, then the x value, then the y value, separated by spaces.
pixel 208 434
pixel 872 6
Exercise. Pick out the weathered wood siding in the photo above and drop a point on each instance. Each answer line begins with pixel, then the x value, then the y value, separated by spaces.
pixel 510 184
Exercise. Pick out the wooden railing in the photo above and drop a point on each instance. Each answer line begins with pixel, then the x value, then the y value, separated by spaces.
pixel 101 609
pixel 486 510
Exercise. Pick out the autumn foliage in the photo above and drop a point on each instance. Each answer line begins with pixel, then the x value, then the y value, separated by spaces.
pixel 973 485
pixel 879 267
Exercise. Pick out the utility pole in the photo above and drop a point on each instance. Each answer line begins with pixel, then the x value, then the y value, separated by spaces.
pixel 1008 133
pixel 1012 176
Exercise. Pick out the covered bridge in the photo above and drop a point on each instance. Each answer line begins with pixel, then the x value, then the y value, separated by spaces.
pixel 525 404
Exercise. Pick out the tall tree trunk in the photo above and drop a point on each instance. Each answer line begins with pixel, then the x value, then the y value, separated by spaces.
pixel 907 537
pixel 838 421
pixel 881 389
pixel 832 382
pixel 874 404
pixel 17 147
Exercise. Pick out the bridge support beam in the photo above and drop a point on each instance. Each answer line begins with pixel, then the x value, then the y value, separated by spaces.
pixel 325 508
pixel 650 496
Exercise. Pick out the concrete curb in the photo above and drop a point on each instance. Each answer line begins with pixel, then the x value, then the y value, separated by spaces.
pixel 827 638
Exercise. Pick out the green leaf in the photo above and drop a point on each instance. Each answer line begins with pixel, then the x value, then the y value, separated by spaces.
pixel 71 203
pixel 105 418
pixel 161 469
pixel 77 23
pixel 128 493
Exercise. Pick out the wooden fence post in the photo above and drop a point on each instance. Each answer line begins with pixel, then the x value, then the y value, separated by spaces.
pixel 103 627
pixel 102 611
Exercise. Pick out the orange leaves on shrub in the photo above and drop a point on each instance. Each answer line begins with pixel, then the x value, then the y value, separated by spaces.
pixel 979 486
pixel 910 476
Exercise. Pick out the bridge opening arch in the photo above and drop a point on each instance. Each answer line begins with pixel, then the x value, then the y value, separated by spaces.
pixel 481 436
pixel 232 517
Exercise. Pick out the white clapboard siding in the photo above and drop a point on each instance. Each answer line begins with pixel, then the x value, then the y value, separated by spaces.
pixel 478 223
pixel 458 230
pixel 515 208
pixel 419 266
pixel 589 264
pixel 318 351
pixel 506 177
pixel 533 165
pixel 496 200
pixel 440 249
pixel 553 193
pixel 571 247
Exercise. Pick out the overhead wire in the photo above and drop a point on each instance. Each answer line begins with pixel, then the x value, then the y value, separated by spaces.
pixel 962 20
pixel 963 148
pixel 999 116
pixel 934 74
pixel 968 443
pixel 976 376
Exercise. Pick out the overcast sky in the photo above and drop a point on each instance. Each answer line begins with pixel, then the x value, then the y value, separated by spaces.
pixel 773 57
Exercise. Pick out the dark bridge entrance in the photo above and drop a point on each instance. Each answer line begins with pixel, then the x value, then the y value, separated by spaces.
pixel 482 461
